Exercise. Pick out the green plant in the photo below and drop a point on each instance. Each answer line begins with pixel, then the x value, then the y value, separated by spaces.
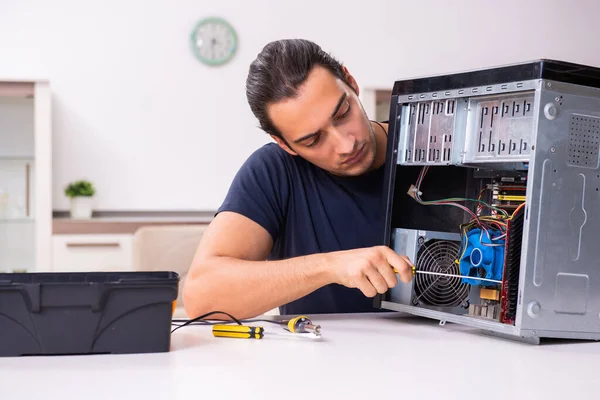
pixel 80 188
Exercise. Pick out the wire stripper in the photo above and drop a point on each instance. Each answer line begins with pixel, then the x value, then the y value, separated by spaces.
pixel 238 331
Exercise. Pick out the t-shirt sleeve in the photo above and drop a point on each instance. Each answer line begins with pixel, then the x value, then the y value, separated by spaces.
pixel 260 190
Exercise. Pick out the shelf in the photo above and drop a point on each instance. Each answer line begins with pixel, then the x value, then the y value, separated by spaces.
pixel 16 157
pixel 17 220
pixel 17 89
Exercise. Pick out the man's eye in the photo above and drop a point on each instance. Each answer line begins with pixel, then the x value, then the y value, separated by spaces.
pixel 345 112
pixel 311 144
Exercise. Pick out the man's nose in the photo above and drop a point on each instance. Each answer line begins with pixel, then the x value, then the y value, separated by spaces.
pixel 344 142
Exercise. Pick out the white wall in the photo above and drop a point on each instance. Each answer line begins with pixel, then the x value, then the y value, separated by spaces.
pixel 156 130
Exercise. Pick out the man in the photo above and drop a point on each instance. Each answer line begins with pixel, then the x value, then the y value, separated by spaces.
pixel 301 226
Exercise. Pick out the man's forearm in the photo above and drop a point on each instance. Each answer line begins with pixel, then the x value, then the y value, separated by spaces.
pixel 249 288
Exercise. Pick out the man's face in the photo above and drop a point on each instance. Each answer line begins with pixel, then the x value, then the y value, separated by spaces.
pixel 326 125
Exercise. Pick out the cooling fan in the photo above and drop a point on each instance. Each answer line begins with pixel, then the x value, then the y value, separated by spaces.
pixel 483 257
pixel 439 256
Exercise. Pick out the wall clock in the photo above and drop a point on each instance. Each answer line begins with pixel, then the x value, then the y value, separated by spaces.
pixel 214 41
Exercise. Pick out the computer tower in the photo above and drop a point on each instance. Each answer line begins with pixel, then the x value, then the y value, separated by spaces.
pixel 495 174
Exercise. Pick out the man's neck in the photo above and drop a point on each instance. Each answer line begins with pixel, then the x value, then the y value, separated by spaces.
pixel 380 143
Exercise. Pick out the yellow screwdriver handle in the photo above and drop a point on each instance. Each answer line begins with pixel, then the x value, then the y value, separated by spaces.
pixel 292 323
pixel 413 270
pixel 238 331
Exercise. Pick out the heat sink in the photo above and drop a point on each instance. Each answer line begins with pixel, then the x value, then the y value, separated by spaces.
pixel 510 289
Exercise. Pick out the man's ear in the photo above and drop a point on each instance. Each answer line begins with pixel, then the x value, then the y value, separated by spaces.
pixel 351 81
pixel 282 143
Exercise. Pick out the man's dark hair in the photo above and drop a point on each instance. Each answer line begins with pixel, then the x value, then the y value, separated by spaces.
pixel 277 72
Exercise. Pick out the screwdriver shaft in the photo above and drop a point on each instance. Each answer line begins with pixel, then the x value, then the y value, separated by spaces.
pixel 457 276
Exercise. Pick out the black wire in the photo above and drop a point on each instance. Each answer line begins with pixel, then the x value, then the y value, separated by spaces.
pixel 197 320
pixel 266 320
pixel 207 315
pixel 384 131
pixel 219 322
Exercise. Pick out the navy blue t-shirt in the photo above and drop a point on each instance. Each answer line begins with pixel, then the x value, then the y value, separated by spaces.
pixel 307 210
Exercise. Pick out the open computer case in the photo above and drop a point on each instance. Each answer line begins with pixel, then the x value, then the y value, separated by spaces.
pixel 492 189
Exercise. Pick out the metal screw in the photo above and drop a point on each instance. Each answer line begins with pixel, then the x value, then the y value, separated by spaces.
pixel 550 111
pixel 533 309
pixel 549 84
pixel 552 150
pixel 557 98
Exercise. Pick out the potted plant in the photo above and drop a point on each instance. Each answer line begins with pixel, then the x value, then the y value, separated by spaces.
pixel 81 193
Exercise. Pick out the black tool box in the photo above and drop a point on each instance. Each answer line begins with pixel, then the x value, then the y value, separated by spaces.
pixel 86 313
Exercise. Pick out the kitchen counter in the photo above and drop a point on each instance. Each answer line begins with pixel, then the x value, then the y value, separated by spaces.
pixel 124 222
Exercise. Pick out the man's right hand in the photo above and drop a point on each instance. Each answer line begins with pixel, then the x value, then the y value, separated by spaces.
pixel 370 269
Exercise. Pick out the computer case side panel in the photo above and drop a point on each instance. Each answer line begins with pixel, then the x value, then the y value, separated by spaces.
pixel 394 122
pixel 560 274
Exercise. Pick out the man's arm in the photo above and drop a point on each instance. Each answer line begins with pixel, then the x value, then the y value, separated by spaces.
pixel 229 272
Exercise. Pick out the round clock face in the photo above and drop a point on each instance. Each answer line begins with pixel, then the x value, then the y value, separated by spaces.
pixel 214 41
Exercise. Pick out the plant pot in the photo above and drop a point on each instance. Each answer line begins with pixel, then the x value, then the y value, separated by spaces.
pixel 81 207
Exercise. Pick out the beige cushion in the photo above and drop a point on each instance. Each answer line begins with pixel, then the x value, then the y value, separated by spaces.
pixel 167 248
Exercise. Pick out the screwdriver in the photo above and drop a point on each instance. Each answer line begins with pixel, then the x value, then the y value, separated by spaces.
pixel 302 324
pixel 414 272
pixel 238 331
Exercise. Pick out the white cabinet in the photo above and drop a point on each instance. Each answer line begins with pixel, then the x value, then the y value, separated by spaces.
pixel 25 176
pixel 92 253
pixel 126 243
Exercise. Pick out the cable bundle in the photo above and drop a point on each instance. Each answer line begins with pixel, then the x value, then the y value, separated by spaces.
pixel 494 225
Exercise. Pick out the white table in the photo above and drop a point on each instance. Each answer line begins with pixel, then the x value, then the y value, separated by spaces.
pixel 384 356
